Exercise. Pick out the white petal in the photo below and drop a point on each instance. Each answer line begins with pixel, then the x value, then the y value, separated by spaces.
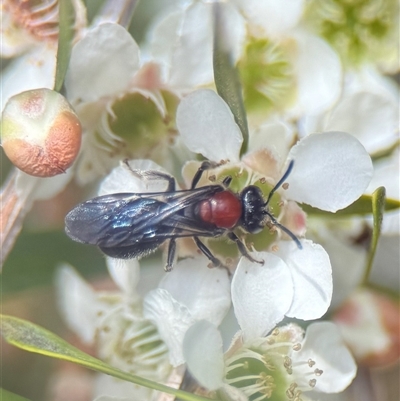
pixel 331 171
pixel 207 126
pixel 41 188
pixel 108 388
pixel 202 349
pixel 205 292
pixel 261 295
pixel 192 54
pixel 182 43
pixel 364 115
pixel 362 324
pixel 337 242
pixel 235 29
pixel 276 135
pixel 312 278
pixel 386 174
pixel 273 17
pixel 102 63
pixel 319 73
pixel 15 40
pixel 77 302
pixel 172 320
pixel 162 40
pixel 32 70
pixel 233 393
pixel 125 273
pixel 122 179
pixel 324 345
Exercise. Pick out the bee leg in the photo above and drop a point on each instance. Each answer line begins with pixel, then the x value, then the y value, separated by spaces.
pixel 158 175
pixel 206 165
pixel 170 255
pixel 153 175
pixel 227 181
pixel 242 248
pixel 215 261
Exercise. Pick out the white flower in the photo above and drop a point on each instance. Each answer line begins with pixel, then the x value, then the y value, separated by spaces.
pixel 368 110
pixel 284 364
pixel 124 107
pixel 189 293
pixel 262 35
pixel 293 282
pixel 113 322
pixel 324 175
pixel 364 33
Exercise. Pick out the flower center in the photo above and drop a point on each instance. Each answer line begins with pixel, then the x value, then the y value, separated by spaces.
pixel 38 17
pixel 138 123
pixel 266 75
pixel 358 29
pixel 133 344
pixel 265 369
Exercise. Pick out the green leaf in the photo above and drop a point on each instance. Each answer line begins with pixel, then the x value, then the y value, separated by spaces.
pixel 361 207
pixel 65 37
pixel 226 76
pixel 7 396
pixel 33 338
pixel 378 208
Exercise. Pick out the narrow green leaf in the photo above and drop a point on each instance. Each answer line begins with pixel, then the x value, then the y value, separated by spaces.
pixel 33 338
pixel 361 207
pixel 7 396
pixel 65 37
pixel 378 208
pixel 226 75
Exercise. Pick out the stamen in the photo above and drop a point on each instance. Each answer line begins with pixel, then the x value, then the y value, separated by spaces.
pixel 287 362
pixel 145 340
pixel 312 383
pixel 270 340
pixel 264 385
pixel 296 347
pixel 244 353
pixel 311 363
pixel 153 354
pixel 275 248
pixel 275 332
pixel 291 391
pixel 258 379
pixel 244 365
pixel 318 372
pixel 268 364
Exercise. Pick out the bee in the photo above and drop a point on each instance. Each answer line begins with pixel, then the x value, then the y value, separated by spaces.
pixel 133 225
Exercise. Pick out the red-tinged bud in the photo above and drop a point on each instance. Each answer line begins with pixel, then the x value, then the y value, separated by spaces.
pixel 370 325
pixel 40 132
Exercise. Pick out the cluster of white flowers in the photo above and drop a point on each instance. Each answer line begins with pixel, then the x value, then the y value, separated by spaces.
pixel 155 103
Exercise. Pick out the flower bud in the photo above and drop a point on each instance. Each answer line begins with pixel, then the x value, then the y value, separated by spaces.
pixel 40 132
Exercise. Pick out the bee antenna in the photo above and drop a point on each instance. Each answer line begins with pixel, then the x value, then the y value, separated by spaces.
pixel 280 182
pixel 284 229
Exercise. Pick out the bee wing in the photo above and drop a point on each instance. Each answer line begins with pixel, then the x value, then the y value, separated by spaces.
pixel 127 219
